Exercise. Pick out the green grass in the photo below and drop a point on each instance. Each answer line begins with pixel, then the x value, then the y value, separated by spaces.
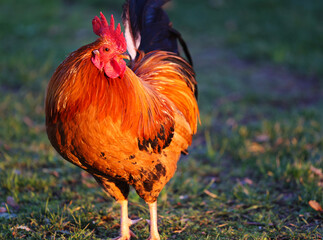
pixel 254 164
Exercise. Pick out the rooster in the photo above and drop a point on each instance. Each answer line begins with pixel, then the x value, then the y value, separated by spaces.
pixel 126 125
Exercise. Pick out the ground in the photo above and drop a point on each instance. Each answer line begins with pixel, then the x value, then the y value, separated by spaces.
pixel 255 166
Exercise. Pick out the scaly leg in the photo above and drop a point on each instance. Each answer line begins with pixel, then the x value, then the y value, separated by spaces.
pixel 125 231
pixel 154 235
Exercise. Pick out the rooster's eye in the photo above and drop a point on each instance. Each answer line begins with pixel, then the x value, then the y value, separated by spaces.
pixel 107 49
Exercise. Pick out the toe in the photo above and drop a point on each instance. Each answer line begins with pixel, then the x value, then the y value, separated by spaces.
pixel 132 222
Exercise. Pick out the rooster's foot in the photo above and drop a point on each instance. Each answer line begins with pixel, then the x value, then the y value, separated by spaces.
pixel 127 236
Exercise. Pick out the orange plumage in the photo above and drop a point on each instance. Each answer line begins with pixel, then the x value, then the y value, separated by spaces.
pixel 127 130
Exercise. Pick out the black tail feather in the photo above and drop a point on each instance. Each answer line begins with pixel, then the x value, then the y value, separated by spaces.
pixel 183 44
pixel 150 29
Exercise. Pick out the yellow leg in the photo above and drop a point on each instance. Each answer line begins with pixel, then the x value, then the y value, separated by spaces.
pixel 154 235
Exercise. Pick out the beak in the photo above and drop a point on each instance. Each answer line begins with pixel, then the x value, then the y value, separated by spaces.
pixel 96 52
pixel 125 56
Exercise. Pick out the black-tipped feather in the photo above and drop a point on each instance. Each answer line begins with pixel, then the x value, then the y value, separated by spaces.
pixel 149 28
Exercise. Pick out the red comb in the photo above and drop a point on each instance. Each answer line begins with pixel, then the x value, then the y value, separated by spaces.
pixel 102 29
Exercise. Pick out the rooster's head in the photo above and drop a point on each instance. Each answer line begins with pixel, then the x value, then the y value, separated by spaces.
pixel 109 55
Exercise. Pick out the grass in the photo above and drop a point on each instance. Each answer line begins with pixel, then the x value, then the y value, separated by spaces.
pixel 254 164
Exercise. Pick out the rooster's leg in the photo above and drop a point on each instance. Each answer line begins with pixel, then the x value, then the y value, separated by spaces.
pixel 154 235
pixel 125 222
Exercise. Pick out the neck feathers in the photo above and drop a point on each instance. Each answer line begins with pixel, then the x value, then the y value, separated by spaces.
pixel 144 100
